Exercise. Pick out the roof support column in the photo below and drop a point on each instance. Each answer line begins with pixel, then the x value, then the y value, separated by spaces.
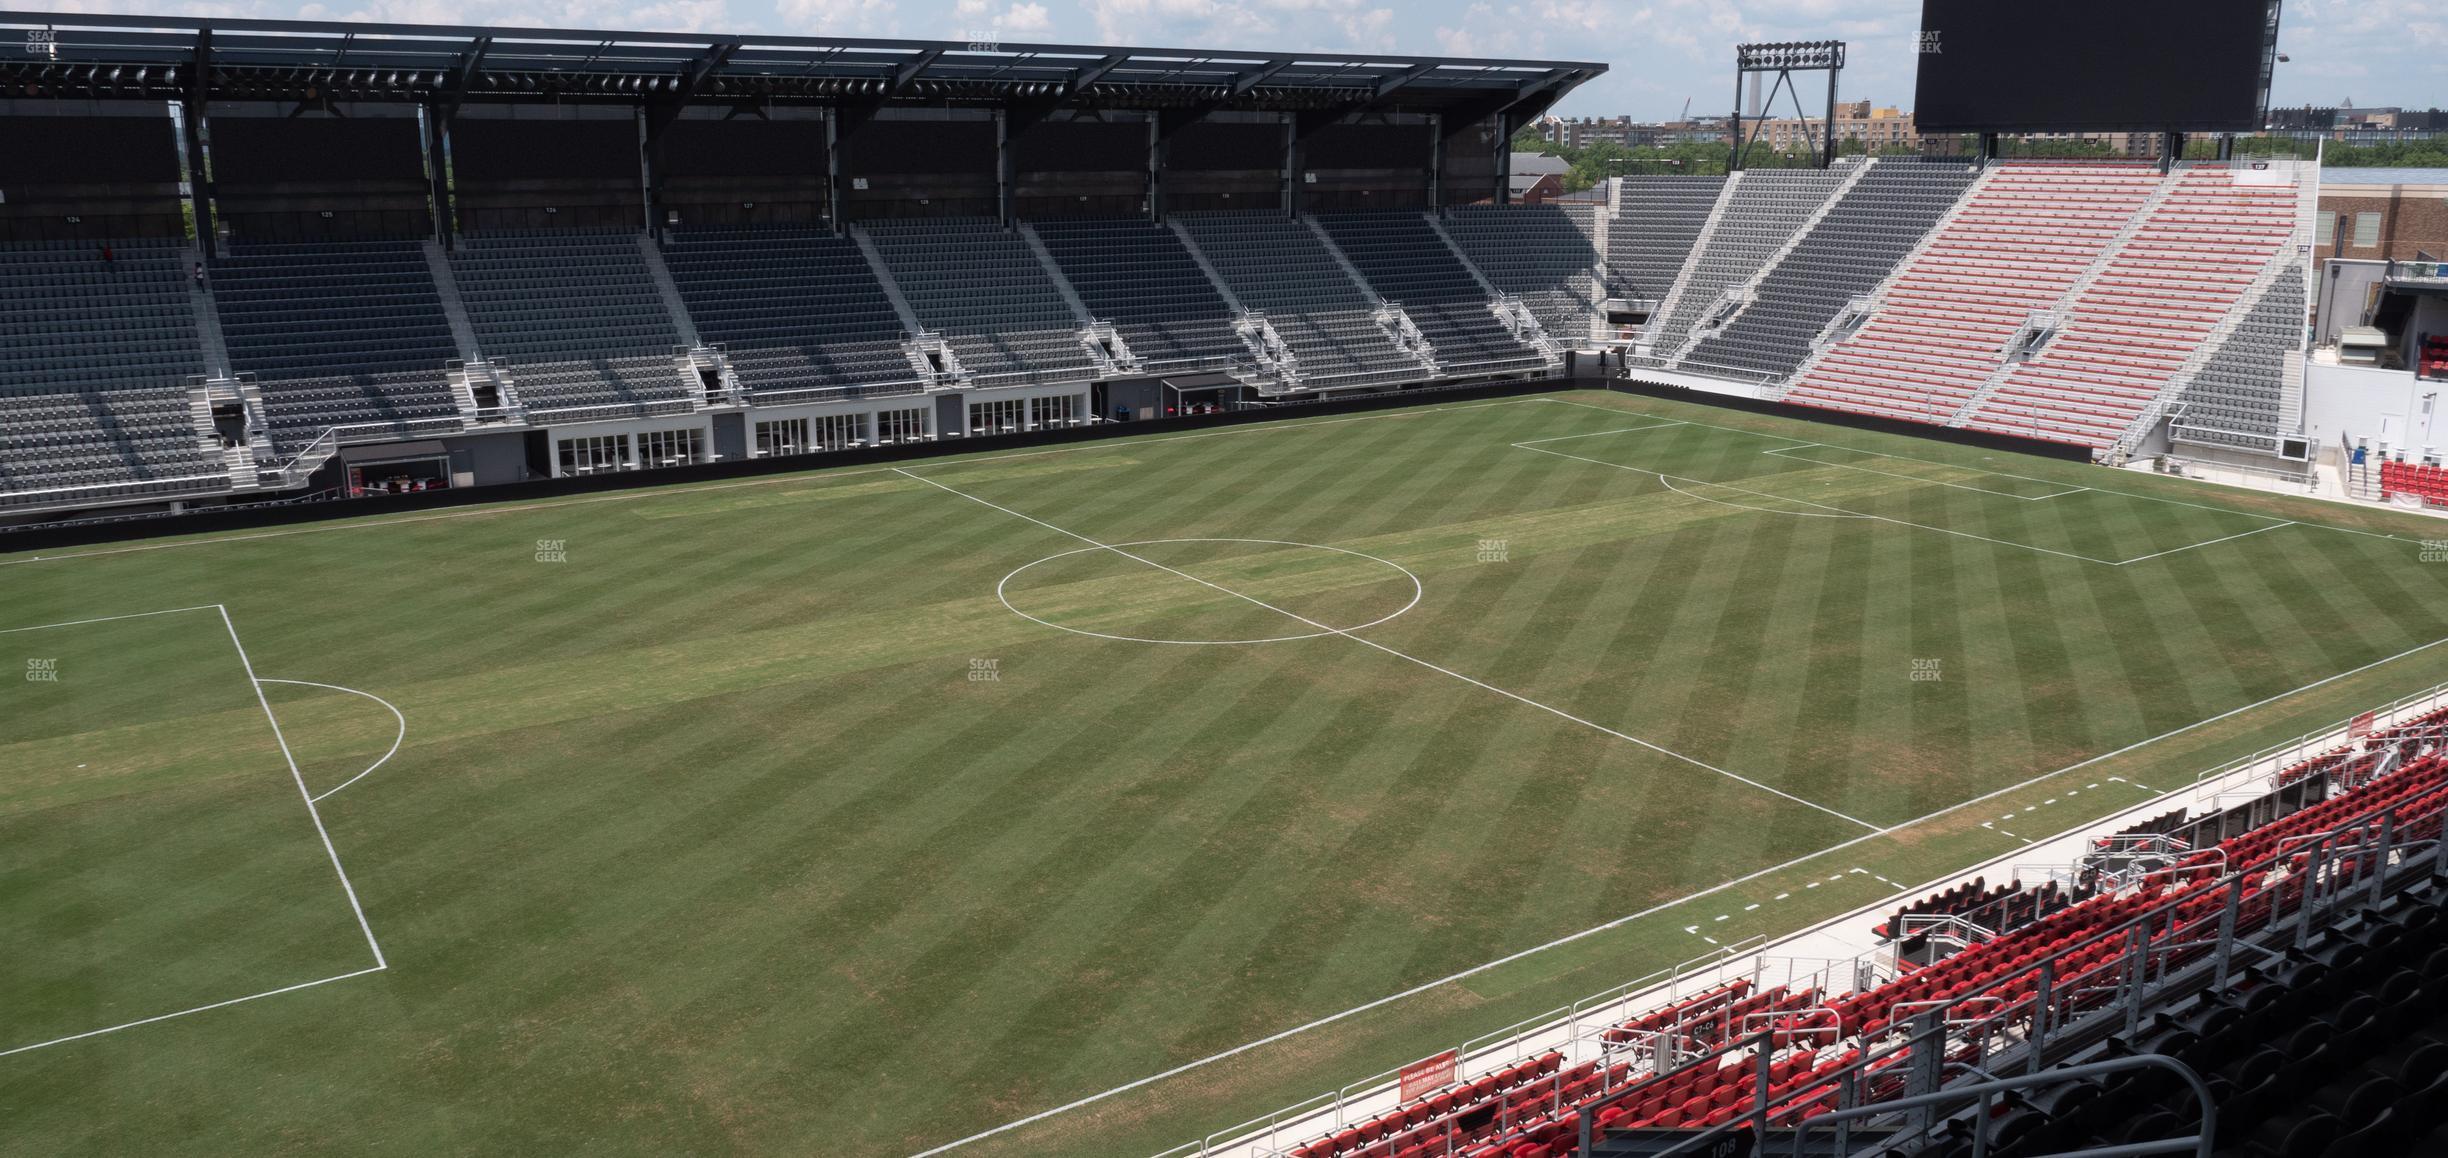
pixel 437 170
pixel 1293 161
pixel 650 174
pixel 1158 149
pixel 833 171
pixel 1005 176
pixel 191 123
pixel 1502 194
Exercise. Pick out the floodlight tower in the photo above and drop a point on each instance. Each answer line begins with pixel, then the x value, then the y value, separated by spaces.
pixel 1784 60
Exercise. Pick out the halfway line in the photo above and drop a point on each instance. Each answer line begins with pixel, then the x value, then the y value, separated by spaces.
pixel 1332 630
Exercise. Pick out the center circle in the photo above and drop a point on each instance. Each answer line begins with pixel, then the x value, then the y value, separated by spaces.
pixel 1004 594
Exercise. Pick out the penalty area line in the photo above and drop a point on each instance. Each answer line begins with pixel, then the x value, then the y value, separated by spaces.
pixel 313 813
pixel 1785 452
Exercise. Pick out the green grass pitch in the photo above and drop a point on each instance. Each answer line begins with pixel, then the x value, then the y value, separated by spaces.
pixel 860 811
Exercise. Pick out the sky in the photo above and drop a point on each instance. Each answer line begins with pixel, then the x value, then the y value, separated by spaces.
pixel 1659 52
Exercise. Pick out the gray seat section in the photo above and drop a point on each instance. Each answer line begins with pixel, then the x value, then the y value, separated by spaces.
pixel 1847 254
pixel 1547 255
pixel 1407 263
pixel 1137 275
pixel 1763 213
pixel 576 318
pixel 2236 398
pixel 344 333
pixel 1658 219
pixel 1279 267
pixel 797 311
pixel 95 357
pixel 982 287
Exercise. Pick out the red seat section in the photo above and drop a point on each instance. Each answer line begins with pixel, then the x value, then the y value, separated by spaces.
pixel 2013 249
pixel 2136 288
pixel 2160 298
pixel 2428 483
pixel 1712 1046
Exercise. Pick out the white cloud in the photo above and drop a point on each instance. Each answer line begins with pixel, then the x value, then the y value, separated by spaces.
pixel 979 20
pixel 1217 23
pixel 837 17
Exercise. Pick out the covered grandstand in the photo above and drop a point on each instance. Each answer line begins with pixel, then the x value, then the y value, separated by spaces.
pixel 536 256
pixel 527 253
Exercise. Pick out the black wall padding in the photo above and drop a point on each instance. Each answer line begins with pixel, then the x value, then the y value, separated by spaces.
pixel 1082 146
pixel 488 150
pixel 1370 147
pixel 921 147
pixel 314 150
pixel 744 148
pixel 87 151
pixel 1209 148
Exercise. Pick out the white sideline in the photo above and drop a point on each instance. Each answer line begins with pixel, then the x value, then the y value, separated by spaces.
pixel 185 1012
pixel 813 474
pixel 1653 910
pixel 303 794
pixel 111 618
pixel 1325 629
pixel 396 741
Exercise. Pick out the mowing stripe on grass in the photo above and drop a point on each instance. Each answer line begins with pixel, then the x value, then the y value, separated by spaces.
pixel 1618 922
pixel 1332 630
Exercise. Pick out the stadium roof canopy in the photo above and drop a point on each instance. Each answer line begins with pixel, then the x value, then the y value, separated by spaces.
pixel 102 56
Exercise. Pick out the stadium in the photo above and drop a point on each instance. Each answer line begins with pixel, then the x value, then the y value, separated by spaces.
pixel 617 592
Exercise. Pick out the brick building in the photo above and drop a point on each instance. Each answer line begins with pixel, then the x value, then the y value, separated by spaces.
pixel 2382 214
pixel 1875 127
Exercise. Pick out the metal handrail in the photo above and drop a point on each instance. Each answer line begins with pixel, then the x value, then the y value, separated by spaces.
pixel 1982 1092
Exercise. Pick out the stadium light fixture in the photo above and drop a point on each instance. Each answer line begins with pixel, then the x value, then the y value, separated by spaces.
pixel 1802 54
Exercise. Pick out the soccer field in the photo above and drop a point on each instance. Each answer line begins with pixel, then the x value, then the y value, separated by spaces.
pixel 861 811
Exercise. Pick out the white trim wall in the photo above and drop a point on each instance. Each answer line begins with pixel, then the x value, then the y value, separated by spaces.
pixel 634 428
